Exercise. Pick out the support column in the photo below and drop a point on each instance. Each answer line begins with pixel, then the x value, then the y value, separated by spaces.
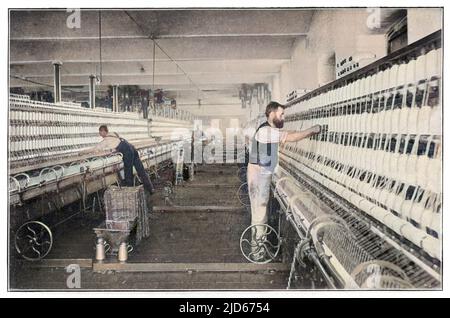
pixel 115 98
pixel 92 91
pixel 57 81
pixel 145 103
pixel 276 96
pixel 326 68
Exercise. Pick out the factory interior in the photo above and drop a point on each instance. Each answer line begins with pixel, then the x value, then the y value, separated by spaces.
pixel 355 205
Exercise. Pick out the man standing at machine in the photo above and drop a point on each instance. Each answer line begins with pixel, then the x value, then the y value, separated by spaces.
pixel 130 156
pixel 263 159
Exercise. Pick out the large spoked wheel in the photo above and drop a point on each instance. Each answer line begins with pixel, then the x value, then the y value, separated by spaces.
pixel 242 174
pixel 33 240
pixel 260 243
pixel 242 194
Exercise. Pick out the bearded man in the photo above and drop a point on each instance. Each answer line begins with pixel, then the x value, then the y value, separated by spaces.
pixel 263 159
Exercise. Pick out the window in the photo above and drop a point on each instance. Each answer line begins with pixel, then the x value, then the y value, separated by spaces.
pixel 397 36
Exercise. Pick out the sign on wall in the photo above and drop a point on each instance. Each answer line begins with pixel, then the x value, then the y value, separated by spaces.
pixel 346 66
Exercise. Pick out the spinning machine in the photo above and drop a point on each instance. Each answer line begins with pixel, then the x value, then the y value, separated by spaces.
pixel 46 174
pixel 364 197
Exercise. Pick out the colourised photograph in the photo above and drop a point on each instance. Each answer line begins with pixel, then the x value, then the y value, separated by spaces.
pixel 225 149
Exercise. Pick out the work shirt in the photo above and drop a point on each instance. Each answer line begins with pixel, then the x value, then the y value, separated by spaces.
pixel 264 147
pixel 109 142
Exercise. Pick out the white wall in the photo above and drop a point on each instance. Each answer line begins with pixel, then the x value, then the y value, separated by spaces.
pixel 342 32
pixel 275 87
pixel 422 22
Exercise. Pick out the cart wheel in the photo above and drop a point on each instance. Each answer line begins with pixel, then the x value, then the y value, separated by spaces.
pixel 242 194
pixel 262 249
pixel 33 240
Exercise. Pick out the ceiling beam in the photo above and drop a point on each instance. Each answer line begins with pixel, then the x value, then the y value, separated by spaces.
pixel 162 81
pixel 196 22
pixel 233 48
pixel 150 60
pixel 146 74
pixel 169 36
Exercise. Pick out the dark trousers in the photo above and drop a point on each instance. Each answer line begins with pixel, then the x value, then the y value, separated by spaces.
pixel 131 159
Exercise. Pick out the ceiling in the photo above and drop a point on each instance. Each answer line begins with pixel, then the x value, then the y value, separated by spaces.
pixel 196 51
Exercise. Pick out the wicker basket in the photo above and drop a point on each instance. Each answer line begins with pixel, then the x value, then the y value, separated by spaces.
pixel 126 207
pixel 123 204
pixel 120 225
